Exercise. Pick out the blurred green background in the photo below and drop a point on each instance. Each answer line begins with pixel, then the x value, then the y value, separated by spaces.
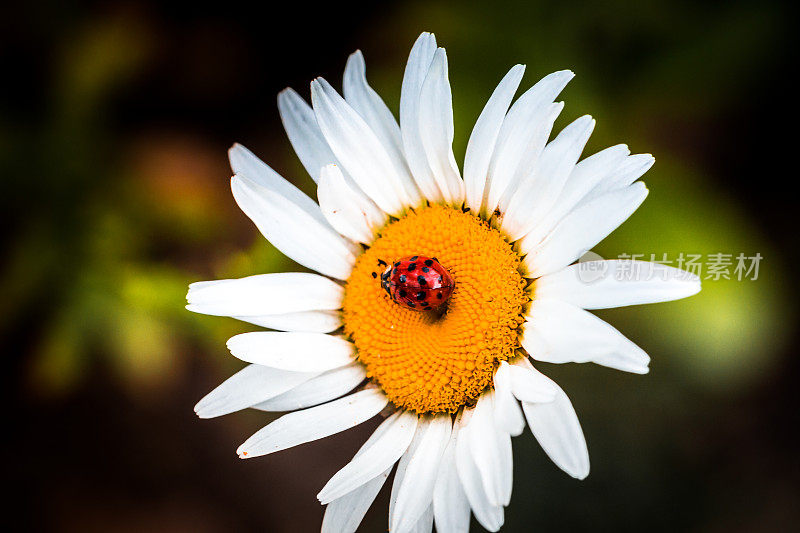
pixel 115 119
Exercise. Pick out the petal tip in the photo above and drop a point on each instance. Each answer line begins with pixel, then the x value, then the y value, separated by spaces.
pixel 285 94
pixel 316 86
pixel 231 344
pixel 203 415
pixel 567 74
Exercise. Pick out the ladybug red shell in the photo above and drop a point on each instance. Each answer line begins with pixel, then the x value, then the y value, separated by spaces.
pixel 418 282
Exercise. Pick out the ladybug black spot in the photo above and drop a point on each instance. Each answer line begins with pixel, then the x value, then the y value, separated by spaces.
pixel 426 269
pixel 412 267
pixel 402 293
pixel 421 280
pixel 438 295
pixel 415 258
pixel 421 296
pixel 429 262
pixel 402 278
pixel 428 308
pixel 411 304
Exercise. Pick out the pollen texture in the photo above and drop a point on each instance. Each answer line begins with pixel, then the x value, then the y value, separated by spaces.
pixel 429 361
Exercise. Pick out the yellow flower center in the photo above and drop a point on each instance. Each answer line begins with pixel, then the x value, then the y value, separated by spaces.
pixel 425 361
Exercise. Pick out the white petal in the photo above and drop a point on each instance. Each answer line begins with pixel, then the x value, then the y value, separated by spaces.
pixel 296 232
pixel 320 389
pixel 605 284
pixel 419 62
pixel 315 423
pixel 304 133
pixel 350 213
pixel 358 149
pixel 516 157
pixel 370 462
pixel 436 130
pixel 344 514
pixel 507 413
pixel 626 173
pixel 593 170
pixel 555 425
pixel 489 515
pixel 537 192
pixel 402 465
pixel 491 451
pixel 523 135
pixel 249 386
pixel 245 164
pixel 579 231
pixel 482 142
pixel 530 385
pixel 380 119
pixel 311 146
pixel 558 332
pixel 543 92
pixel 425 522
pixel 415 492
pixel 308 321
pixel 583 178
pixel 450 504
pixel 506 454
pixel 295 351
pixel 265 294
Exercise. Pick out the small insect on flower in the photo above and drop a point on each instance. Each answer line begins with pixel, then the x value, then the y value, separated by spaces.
pixel 418 282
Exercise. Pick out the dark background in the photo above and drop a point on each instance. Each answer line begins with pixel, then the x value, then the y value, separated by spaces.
pixel 115 119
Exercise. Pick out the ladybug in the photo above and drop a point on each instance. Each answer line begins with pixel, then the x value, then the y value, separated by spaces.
pixel 418 282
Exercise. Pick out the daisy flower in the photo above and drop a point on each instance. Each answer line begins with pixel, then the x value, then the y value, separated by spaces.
pixel 434 289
